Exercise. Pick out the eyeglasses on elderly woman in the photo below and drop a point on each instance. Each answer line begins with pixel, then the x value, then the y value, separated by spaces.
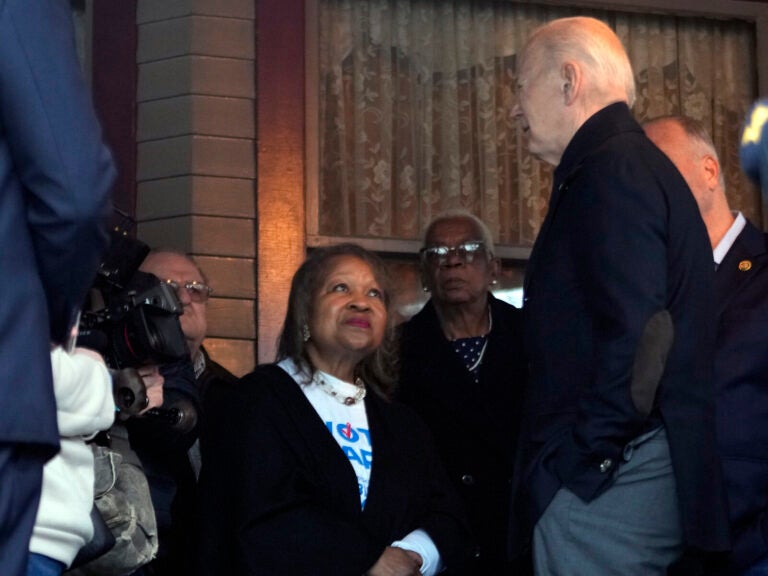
pixel 438 255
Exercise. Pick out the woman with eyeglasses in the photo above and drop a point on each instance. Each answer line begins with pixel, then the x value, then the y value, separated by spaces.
pixel 462 370
pixel 308 467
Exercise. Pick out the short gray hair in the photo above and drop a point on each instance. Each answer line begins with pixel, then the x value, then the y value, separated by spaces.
pixel 696 132
pixel 462 214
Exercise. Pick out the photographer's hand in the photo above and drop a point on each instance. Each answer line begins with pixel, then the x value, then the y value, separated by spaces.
pixel 153 381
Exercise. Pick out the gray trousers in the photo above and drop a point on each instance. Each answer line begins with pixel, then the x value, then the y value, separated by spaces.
pixel 633 528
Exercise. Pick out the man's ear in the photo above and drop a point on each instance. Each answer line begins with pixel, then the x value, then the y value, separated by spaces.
pixel 571 81
pixel 711 171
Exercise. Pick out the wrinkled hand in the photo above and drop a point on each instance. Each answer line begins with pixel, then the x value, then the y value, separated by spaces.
pixel 153 381
pixel 396 562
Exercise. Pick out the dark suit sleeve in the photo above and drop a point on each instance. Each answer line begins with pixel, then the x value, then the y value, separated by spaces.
pixel 53 139
pixel 620 237
pixel 741 377
pixel 749 542
pixel 262 512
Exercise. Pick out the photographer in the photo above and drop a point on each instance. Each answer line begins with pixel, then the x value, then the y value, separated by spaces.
pixel 171 458
pixel 162 445
pixel 132 318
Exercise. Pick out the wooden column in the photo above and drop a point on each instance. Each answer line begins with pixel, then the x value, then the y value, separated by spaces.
pixel 196 161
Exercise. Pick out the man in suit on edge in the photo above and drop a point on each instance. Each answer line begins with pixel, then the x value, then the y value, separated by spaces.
pixel 740 253
pixel 618 472
pixel 55 181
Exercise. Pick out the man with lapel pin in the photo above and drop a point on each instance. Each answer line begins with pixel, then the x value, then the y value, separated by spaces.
pixel 740 252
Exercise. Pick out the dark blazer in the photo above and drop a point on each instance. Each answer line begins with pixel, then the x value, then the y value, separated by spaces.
pixel 278 495
pixel 168 464
pixel 55 180
pixel 741 382
pixel 474 426
pixel 622 240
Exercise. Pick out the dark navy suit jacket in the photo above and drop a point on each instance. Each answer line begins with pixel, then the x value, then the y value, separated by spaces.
pixel 55 178
pixel 741 381
pixel 622 240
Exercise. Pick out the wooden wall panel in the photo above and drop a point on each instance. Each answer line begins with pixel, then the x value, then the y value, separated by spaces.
pixel 229 277
pixel 202 235
pixel 154 10
pixel 196 159
pixel 181 195
pixel 231 318
pixel 237 356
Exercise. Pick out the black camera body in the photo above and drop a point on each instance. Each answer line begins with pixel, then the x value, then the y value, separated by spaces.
pixel 140 324
pixel 132 319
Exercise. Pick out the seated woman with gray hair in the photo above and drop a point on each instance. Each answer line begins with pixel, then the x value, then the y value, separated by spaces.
pixel 309 469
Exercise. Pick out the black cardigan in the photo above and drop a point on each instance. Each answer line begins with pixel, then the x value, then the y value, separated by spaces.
pixel 278 496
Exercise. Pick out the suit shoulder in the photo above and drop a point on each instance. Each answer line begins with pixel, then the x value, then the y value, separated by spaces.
pixel 220 373
pixel 415 331
pixel 504 309
pixel 504 312
pixel 627 150
pixel 265 374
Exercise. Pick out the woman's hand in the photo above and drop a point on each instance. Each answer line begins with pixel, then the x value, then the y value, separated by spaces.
pixel 396 562
pixel 153 381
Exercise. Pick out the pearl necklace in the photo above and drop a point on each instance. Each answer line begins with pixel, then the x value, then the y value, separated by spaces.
pixel 330 389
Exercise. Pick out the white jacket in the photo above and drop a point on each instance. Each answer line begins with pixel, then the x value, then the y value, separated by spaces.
pixel 84 406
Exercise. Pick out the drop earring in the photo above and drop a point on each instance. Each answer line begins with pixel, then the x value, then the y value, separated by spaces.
pixel 305 335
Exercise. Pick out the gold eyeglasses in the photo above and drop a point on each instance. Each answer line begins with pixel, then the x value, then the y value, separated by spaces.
pixel 198 292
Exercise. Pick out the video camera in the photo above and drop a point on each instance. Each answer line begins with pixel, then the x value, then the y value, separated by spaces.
pixel 132 319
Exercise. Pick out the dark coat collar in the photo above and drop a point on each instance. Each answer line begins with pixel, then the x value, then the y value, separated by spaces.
pixel 426 322
pixel 602 125
pixel 750 246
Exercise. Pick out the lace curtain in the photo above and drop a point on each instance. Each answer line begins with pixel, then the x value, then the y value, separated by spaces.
pixel 415 100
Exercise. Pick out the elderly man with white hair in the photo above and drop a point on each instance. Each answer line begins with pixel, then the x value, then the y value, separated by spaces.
pixel 618 471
